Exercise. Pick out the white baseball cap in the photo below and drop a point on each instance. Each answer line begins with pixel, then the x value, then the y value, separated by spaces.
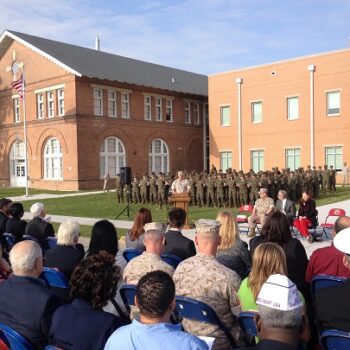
pixel 280 293
pixel 342 240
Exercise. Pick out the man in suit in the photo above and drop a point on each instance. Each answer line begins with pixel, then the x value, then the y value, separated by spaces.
pixel 285 205
pixel 332 304
pixel 38 227
pixel 175 242
pixel 27 305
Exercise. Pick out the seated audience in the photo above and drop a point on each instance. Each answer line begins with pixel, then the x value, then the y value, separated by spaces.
pixel 307 216
pixel 232 251
pixel 5 269
pixel 15 225
pixel 203 278
pixel 38 227
pixel 135 236
pixel 5 205
pixel 332 304
pixel 285 205
pixel 329 260
pixel 155 297
pixel 262 208
pixel 27 304
pixel 83 324
pixel 175 242
pixel 66 256
pixel 149 260
pixel 280 320
pixel 277 230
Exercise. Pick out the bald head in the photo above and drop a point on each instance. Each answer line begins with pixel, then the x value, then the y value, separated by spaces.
pixel 26 259
pixel 340 224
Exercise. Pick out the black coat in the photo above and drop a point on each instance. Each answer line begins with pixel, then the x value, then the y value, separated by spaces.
pixel 17 227
pixel 3 219
pixel 177 244
pixel 309 210
pixel 40 230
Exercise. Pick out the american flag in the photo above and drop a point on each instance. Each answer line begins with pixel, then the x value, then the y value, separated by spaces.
pixel 19 86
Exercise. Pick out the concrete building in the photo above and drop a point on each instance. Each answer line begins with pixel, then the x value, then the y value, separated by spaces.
pixel 288 114
pixel 89 111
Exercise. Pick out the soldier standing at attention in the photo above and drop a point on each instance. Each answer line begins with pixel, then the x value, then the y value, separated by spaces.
pixel 199 183
pixel 119 189
pixel 320 179
pixel 210 184
pixel 231 184
pixel 144 186
pixel 325 177
pixel 135 190
pixel 161 190
pixel 243 188
pixel 191 183
pixel 253 184
pixel 219 184
pixel 332 180
pixel 153 189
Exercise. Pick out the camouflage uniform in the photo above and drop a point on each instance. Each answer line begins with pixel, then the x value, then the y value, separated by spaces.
pixel 144 185
pixel 262 206
pixel 153 189
pixel 191 183
pixel 119 189
pixel 243 190
pixel 253 184
pixel 210 184
pixel 161 190
pixel 136 190
pixel 232 192
pixel 219 184
pixel 203 278
pixel 325 177
pixel 332 180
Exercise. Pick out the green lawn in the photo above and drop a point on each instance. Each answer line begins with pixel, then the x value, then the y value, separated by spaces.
pixel 20 191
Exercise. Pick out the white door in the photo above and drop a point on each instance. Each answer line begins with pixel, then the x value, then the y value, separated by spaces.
pixel 17 165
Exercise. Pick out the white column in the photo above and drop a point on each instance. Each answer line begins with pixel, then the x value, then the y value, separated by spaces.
pixel 239 82
pixel 311 69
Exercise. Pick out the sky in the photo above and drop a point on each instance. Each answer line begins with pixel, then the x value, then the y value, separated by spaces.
pixel 202 36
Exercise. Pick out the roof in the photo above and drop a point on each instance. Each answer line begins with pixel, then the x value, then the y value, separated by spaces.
pixel 91 63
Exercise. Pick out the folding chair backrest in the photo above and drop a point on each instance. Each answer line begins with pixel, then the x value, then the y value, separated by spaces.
pixel 324 281
pixel 336 212
pixel 10 239
pixel 130 254
pixel 128 292
pixel 171 259
pixel 246 208
pixel 247 323
pixel 13 339
pixel 54 278
pixel 198 311
pixel 30 238
pixel 335 340
pixel 52 242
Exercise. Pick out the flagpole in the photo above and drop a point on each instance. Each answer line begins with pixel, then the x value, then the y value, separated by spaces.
pixel 25 131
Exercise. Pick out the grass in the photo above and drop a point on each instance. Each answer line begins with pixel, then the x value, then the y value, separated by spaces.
pixel 20 191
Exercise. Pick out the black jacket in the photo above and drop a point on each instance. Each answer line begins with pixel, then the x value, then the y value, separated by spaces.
pixel 40 230
pixel 3 219
pixel 177 244
pixel 17 227
pixel 309 210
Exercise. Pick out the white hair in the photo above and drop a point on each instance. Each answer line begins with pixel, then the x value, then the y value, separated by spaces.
pixel 23 256
pixel 68 232
pixel 36 209
pixel 154 235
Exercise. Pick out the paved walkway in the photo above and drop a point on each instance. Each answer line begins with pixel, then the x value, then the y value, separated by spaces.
pixel 322 214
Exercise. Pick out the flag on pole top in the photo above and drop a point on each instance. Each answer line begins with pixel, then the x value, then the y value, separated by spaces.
pixel 19 86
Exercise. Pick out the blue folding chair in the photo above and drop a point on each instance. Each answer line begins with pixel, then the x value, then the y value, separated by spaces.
pixel 52 347
pixel 197 311
pixel 324 281
pixel 54 278
pixel 13 339
pixel 246 321
pixel 130 254
pixel 52 241
pixel 335 340
pixel 30 238
pixel 128 292
pixel 171 259
pixel 10 239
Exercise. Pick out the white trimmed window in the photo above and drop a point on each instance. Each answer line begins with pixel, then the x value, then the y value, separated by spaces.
pixel 333 103
pixel 159 116
pixel 112 103
pixel 147 108
pixel 16 110
pixel 60 103
pixel 169 110
pixel 53 160
pixel 40 105
pixel 334 156
pixel 225 117
pixel 187 112
pixel 50 104
pixel 125 105
pixel 98 102
pixel 158 156
pixel 112 156
pixel 225 160
pixel 257 160
pixel 292 108
pixel 257 112
pixel 196 114
pixel 292 157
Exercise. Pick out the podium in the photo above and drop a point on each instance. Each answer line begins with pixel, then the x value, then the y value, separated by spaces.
pixel 181 200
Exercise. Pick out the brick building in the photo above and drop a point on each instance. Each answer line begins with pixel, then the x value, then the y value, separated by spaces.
pixel 288 114
pixel 89 111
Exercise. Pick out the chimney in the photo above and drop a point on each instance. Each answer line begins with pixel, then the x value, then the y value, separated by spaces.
pixel 97 43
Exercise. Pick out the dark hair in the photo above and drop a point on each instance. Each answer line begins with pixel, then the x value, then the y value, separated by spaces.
pixel 143 217
pixel 103 238
pixel 4 202
pixel 155 293
pixel 177 217
pixel 276 228
pixel 341 223
pixel 308 193
pixel 95 280
pixel 16 210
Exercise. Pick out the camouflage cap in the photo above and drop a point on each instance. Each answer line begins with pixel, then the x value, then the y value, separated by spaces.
pixel 155 226
pixel 206 226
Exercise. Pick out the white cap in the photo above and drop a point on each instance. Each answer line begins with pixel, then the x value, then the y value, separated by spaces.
pixel 207 226
pixel 342 240
pixel 154 226
pixel 280 293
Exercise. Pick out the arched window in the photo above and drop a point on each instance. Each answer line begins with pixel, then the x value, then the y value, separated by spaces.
pixel 112 156
pixel 158 156
pixel 53 168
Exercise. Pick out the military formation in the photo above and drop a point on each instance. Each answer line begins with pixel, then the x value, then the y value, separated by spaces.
pixel 230 189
